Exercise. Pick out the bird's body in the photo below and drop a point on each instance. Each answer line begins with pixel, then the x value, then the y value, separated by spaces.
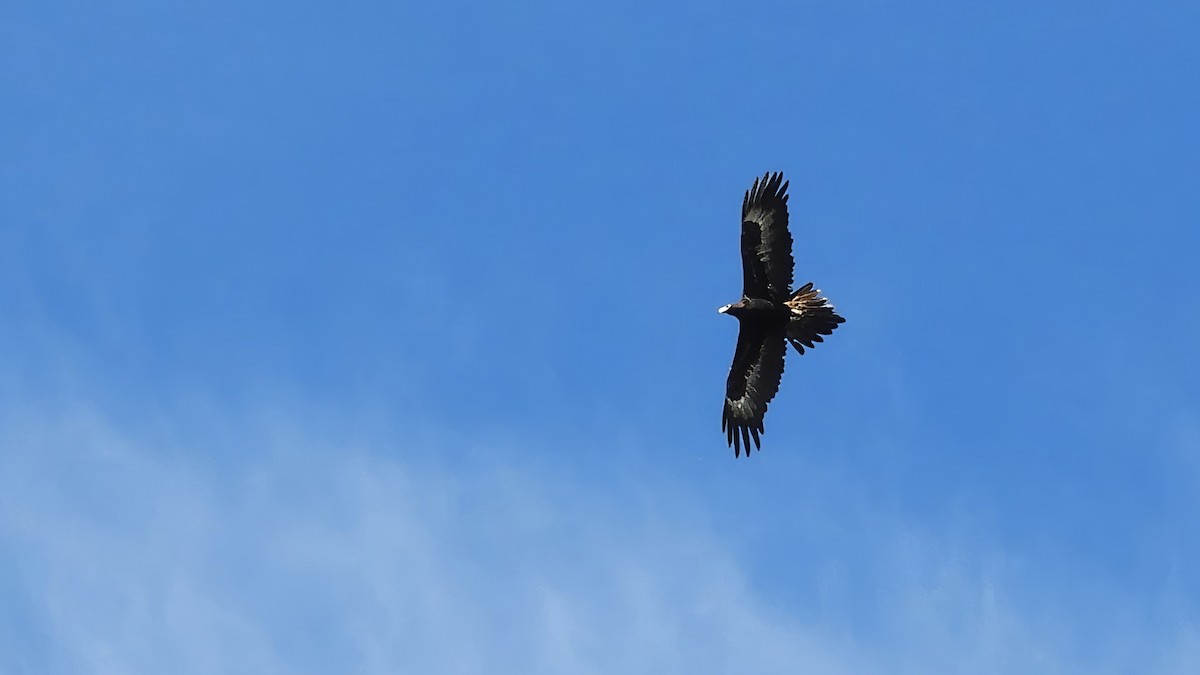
pixel 759 310
pixel 770 314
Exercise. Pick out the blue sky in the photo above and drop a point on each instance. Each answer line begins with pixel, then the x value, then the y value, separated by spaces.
pixel 380 338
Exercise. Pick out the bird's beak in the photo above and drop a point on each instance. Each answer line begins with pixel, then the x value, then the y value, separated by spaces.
pixel 722 310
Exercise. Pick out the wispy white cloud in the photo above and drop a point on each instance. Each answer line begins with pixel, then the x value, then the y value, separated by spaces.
pixel 136 551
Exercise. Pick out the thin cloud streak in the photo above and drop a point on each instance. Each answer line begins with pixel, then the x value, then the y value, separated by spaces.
pixel 316 554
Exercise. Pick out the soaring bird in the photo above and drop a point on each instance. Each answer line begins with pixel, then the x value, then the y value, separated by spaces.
pixel 770 314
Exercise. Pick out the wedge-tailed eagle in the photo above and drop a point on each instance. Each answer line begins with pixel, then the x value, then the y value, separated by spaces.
pixel 770 313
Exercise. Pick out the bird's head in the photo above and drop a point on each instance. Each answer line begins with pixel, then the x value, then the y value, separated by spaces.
pixel 735 309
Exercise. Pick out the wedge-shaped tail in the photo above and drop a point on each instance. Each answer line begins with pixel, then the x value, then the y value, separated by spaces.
pixel 812 317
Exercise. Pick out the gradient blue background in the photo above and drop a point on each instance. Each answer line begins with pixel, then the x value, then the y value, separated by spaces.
pixel 380 338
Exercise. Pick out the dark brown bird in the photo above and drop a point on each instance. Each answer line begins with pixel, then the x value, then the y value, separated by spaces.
pixel 770 314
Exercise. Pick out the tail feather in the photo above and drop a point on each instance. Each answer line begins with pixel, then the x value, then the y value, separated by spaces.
pixel 812 317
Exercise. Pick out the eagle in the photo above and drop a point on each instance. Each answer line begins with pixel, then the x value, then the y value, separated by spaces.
pixel 770 314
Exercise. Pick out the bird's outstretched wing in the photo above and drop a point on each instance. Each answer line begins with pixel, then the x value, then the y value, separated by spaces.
pixel 766 243
pixel 811 317
pixel 753 382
